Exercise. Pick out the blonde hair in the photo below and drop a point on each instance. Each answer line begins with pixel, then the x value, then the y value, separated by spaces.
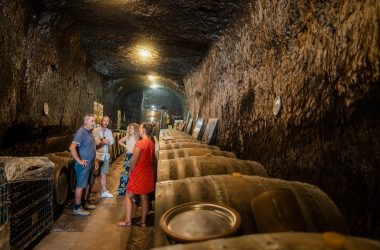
pixel 136 127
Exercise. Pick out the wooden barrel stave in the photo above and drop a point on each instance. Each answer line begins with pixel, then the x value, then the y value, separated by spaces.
pixel 196 166
pixel 187 152
pixel 60 179
pixel 283 241
pixel 180 145
pixel 237 192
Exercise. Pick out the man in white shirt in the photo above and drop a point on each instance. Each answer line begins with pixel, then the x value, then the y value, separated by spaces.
pixel 103 139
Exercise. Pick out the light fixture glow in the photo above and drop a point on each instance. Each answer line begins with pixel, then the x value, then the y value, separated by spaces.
pixel 151 119
pixel 145 53
pixel 154 86
pixel 151 77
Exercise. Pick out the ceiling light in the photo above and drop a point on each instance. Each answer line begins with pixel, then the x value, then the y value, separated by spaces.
pixel 151 77
pixel 144 53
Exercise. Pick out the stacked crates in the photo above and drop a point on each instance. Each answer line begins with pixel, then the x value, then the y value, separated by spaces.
pixel 26 200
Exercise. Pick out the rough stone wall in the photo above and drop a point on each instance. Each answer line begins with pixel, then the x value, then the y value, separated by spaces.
pixel 322 58
pixel 42 60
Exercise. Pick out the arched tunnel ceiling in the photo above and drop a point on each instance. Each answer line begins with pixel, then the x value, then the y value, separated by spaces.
pixel 179 33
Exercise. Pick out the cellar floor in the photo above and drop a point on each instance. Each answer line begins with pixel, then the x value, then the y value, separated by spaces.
pixel 99 230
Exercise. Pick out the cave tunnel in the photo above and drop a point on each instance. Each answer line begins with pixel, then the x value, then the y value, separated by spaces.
pixel 294 86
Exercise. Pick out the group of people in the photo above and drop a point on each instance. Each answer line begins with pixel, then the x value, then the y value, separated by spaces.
pixel 90 149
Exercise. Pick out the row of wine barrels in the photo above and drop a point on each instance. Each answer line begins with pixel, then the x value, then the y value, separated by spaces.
pixel 187 152
pixel 163 142
pixel 188 145
pixel 171 132
pixel 115 150
pixel 196 166
pixel 314 209
pixel 283 241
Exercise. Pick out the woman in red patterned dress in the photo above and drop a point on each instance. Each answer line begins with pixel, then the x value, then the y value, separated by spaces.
pixel 141 179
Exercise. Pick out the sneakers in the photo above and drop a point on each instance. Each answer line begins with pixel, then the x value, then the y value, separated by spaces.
pixel 88 206
pixel 107 194
pixel 80 211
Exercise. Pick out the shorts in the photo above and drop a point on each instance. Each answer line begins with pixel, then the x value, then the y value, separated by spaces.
pixel 83 174
pixel 104 166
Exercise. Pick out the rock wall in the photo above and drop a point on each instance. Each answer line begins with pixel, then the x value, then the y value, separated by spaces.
pixel 322 58
pixel 42 61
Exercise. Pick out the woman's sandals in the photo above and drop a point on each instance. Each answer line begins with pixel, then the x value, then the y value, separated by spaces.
pixel 124 223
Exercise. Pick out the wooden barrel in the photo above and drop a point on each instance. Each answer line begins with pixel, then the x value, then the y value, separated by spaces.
pixel 187 145
pixel 66 154
pixel 187 152
pixel 318 210
pixel 171 132
pixel 196 166
pixel 116 147
pixel 111 149
pixel 70 170
pixel 120 149
pixel 60 182
pixel 283 241
pixel 56 144
pixel 183 140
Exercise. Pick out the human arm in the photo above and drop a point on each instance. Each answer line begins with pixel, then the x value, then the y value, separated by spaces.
pixel 74 153
pixel 122 141
pixel 98 140
pixel 135 158
pixel 110 138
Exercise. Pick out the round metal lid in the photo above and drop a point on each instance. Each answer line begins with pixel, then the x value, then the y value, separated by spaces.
pixel 198 221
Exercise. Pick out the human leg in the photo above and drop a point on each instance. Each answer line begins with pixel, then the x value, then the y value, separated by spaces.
pixel 82 175
pixel 144 208
pixel 104 170
pixel 128 210
pixel 124 175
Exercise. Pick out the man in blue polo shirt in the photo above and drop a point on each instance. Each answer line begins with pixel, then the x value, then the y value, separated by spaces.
pixel 83 149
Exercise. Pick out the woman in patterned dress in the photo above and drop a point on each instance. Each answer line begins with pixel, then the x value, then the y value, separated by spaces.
pixel 128 142
pixel 141 180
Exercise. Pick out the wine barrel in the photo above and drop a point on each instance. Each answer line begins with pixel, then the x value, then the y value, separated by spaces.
pixel 70 170
pixel 283 241
pixel 187 145
pixel 119 148
pixel 56 144
pixel 111 149
pixel 60 183
pixel 183 140
pixel 116 145
pixel 317 209
pixel 187 152
pixel 66 154
pixel 196 166
pixel 171 132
